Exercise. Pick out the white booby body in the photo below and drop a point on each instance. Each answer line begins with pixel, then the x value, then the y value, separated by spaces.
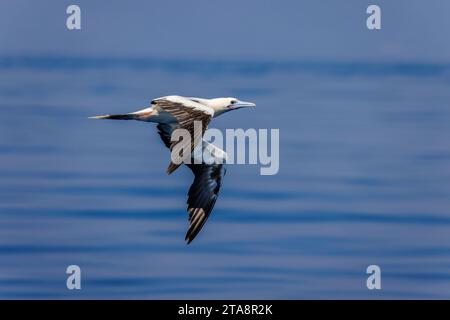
pixel 156 113
pixel 172 112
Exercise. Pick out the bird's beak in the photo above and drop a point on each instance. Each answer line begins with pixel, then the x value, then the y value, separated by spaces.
pixel 242 104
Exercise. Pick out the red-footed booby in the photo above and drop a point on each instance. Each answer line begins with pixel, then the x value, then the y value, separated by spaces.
pixel 173 112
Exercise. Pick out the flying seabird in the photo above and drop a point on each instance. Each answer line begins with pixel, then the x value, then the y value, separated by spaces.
pixel 173 112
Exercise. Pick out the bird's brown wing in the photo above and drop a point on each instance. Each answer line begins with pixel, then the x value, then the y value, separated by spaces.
pixel 205 188
pixel 187 113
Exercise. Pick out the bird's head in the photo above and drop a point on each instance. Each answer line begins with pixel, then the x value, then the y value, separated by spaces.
pixel 222 105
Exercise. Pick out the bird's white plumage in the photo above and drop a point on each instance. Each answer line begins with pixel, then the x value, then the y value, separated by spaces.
pixel 209 153
pixel 188 103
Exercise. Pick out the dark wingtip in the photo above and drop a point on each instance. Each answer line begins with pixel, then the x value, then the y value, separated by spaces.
pixel 172 167
pixel 190 236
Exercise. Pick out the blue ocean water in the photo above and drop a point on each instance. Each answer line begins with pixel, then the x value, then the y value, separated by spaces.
pixel 364 179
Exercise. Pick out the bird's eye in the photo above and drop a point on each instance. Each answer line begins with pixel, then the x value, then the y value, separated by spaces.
pixel 233 101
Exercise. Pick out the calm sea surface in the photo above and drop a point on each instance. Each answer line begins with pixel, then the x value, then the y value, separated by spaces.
pixel 364 179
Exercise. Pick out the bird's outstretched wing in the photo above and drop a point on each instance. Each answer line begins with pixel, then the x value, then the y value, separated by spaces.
pixel 165 132
pixel 205 189
pixel 186 112
pixel 202 195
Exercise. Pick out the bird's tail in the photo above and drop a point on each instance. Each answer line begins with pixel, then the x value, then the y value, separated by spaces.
pixel 142 115
pixel 127 116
